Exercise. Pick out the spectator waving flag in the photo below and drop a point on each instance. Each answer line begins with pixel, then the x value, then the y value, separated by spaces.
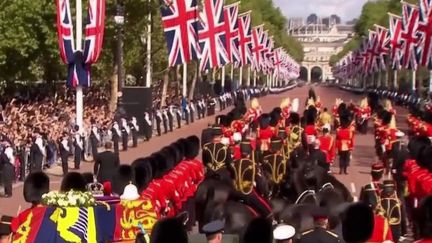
pixel 395 28
pixel 245 39
pixel 212 35
pixel 410 16
pixel 232 32
pixel 180 23
pixel 424 29
pixel 78 61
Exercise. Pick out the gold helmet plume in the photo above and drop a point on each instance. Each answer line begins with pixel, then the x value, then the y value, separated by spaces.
pixel 284 103
pixel 254 103
pixel 364 103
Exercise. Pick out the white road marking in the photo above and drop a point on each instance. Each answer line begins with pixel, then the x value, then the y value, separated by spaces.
pixel 353 188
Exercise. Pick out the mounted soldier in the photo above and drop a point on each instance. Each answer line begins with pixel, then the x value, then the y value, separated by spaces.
pixel 363 114
pixel 392 207
pixel 274 164
pixel 216 154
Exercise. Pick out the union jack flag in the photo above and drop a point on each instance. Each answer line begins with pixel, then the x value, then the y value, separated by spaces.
pixel 424 29
pixel 383 45
pixel 94 30
pixel 245 40
pixel 372 47
pixel 395 29
pixel 257 47
pixel 268 53
pixel 212 35
pixel 65 31
pixel 180 22
pixel 232 32
pixel 365 56
pixel 278 61
pixel 410 16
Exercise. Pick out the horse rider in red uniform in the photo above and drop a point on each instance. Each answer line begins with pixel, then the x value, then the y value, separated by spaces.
pixel 363 114
pixel 335 112
pixel 344 142
pixel 327 145
pixel 265 133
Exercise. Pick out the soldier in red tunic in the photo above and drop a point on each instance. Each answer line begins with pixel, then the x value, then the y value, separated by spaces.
pixel 363 113
pixel 310 129
pixel 327 145
pixel 265 133
pixel 344 142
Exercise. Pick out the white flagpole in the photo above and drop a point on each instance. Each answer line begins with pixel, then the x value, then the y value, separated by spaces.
pixel 413 80
pixel 254 78
pixel 223 77
pixel 430 81
pixel 79 89
pixel 241 76
pixel 248 76
pixel 184 92
pixel 149 39
pixel 232 72
pixel 395 79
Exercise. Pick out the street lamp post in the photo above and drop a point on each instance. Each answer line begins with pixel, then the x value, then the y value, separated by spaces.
pixel 119 20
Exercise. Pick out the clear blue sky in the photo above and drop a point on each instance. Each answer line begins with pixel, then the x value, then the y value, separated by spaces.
pixel 346 9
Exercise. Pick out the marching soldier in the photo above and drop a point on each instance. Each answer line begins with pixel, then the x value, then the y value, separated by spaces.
pixel 116 134
pixel 158 122
pixel 134 129
pixel 179 117
pixel 335 112
pixel 371 192
pixel 310 128
pixel 327 145
pixel 147 126
pixel 64 153
pixel 392 207
pixel 320 232
pixel 125 130
pixel 170 118
pixel 216 154
pixel 344 142
pixel 244 172
pixel 165 119
pixel 94 139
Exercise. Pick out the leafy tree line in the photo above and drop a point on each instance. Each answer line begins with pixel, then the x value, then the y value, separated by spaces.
pixel 29 47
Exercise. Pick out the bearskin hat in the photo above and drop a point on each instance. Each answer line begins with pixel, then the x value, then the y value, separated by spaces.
pixel 294 118
pixel 225 121
pixel 73 181
pixel 259 230
pixel 425 218
pixel 124 176
pixel 386 117
pixel 342 108
pixel 167 163
pixel 182 145
pixel 156 172
pixel 88 177
pixel 264 121
pixel 143 173
pixel 425 158
pixel 174 155
pixel 192 147
pixel 360 229
pixel 179 152
pixel 345 119
pixel 176 229
pixel 416 145
pixel 311 115
pixel 35 185
pixel 275 118
pixel 312 94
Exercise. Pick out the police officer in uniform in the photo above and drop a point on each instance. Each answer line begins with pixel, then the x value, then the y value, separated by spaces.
pixel 64 153
pixel 116 133
pixel 147 126
pixel 134 129
pixel 94 139
pixel 319 233
pixel 170 118
pixel 192 111
pixel 125 130
pixel 165 119
pixel 179 117
pixel 158 114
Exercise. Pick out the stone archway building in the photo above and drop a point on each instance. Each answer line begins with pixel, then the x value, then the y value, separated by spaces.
pixel 320 42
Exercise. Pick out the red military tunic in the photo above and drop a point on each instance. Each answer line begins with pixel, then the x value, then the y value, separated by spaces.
pixel 364 112
pixel 252 115
pixel 382 231
pixel 425 129
pixel 238 126
pixel 327 145
pixel 264 136
pixel 311 133
pixel 388 137
pixel 344 139
pixel 335 111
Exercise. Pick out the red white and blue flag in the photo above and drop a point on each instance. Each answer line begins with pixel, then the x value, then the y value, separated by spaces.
pixel 79 61
pixel 424 30
pixel 245 38
pixel 409 38
pixel 232 32
pixel 383 45
pixel 180 23
pixel 395 29
pixel 257 47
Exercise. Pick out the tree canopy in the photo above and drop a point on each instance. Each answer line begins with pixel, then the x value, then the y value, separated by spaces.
pixel 29 47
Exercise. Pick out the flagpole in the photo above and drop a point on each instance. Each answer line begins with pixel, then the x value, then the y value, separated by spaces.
pixel 386 82
pixel 430 82
pixel 184 88
pixel 248 76
pixel 223 77
pixel 254 78
pixel 413 80
pixel 149 39
pixel 232 72
pixel 241 76
pixel 379 79
pixel 79 89
pixel 395 79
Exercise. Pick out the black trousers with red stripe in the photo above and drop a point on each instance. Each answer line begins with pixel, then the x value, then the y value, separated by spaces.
pixel 255 201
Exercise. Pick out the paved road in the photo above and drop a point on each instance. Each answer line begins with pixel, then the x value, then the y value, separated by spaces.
pixel 363 156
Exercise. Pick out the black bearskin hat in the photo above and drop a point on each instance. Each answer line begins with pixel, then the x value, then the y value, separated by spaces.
pixel 143 173
pixel 311 115
pixel 225 120
pixel 156 172
pixel 73 181
pixel 275 117
pixel 88 177
pixel 294 118
pixel 35 185
pixel 175 228
pixel 425 218
pixel 192 147
pixel 342 108
pixel 275 144
pixel 345 119
pixel 179 152
pixel 386 117
pixel 182 145
pixel 123 176
pixel 264 121
pixel 167 160
pixel 360 229
pixel 259 230
pixel 425 158
pixel 312 94
pixel 416 145
pixel 173 155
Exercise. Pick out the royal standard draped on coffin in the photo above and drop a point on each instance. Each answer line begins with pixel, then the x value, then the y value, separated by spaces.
pixel 119 222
